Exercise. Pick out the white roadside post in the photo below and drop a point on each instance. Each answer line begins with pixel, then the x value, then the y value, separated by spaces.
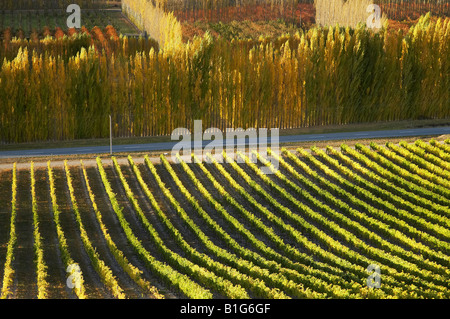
pixel 110 135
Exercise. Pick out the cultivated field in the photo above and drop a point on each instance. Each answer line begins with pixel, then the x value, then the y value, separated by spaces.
pixel 41 23
pixel 153 228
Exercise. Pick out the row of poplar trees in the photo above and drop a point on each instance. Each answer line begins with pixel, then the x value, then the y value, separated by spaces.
pixel 318 77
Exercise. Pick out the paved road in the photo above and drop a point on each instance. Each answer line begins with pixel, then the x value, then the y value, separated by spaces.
pixel 434 131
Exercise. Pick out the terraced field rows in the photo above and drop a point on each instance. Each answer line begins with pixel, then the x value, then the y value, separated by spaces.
pixel 133 228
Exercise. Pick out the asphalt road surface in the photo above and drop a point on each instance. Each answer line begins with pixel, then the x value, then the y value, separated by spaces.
pixel 167 146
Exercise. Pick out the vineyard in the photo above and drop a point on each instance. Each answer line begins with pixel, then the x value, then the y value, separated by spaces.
pixel 31 24
pixel 157 228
